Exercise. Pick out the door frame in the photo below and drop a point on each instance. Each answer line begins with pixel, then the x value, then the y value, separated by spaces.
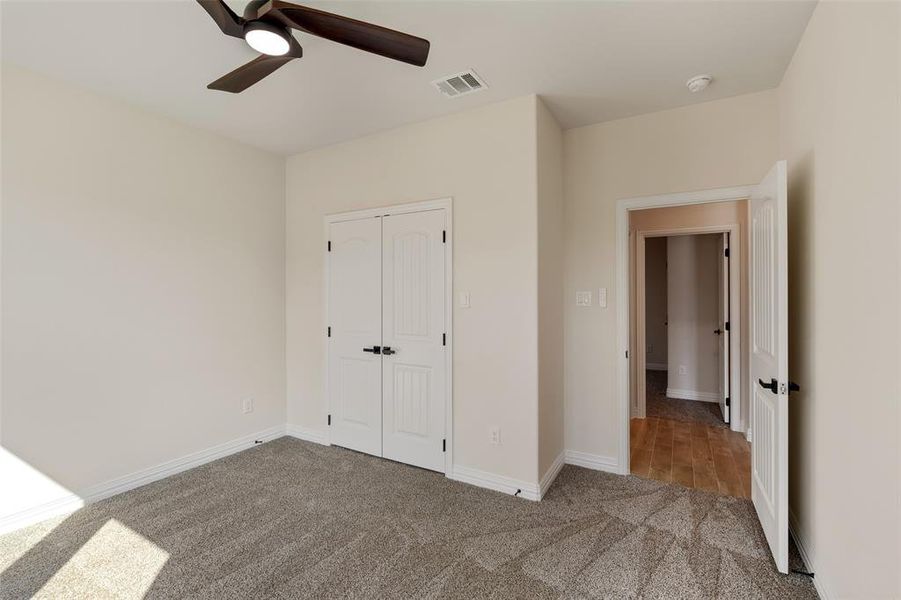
pixel 447 204
pixel 623 270
pixel 735 325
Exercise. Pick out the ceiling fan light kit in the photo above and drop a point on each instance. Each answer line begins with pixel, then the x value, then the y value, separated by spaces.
pixel 267 39
pixel 266 26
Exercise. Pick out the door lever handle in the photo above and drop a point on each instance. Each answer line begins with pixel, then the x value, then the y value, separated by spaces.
pixel 718 331
pixel 773 385
pixel 374 349
pixel 388 350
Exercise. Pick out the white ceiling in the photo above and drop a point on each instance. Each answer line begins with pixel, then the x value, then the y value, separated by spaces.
pixel 590 61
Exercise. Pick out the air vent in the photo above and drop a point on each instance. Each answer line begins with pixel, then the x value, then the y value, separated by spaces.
pixel 466 82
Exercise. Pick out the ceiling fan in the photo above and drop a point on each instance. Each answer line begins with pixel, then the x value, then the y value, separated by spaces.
pixel 266 26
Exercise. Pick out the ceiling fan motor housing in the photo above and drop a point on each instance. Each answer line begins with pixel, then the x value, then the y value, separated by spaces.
pixel 253 9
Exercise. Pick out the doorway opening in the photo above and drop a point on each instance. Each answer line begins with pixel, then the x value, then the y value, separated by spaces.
pixel 686 314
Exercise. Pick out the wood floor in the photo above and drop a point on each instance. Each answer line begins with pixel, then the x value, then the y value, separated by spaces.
pixel 695 455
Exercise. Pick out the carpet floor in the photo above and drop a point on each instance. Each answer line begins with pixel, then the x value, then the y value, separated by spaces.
pixel 659 406
pixel 291 519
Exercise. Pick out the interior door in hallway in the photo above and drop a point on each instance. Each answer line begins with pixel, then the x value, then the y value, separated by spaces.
pixel 723 325
pixel 355 319
pixel 413 337
pixel 769 359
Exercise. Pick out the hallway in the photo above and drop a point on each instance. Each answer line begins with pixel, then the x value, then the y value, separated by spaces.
pixel 686 442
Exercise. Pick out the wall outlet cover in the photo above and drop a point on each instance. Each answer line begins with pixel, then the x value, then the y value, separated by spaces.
pixel 247 405
pixel 494 436
pixel 583 298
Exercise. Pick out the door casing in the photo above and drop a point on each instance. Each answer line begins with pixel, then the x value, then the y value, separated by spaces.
pixel 395 209
pixel 623 269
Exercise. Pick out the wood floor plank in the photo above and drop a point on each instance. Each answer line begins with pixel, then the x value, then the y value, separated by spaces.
pixel 641 462
pixel 684 475
pixel 692 454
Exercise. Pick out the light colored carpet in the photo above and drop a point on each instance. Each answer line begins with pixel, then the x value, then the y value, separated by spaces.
pixel 658 405
pixel 291 519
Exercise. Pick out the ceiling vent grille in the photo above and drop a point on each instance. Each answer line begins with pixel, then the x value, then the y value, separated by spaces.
pixel 459 84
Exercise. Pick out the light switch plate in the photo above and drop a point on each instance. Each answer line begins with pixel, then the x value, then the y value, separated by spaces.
pixel 583 298
pixel 602 297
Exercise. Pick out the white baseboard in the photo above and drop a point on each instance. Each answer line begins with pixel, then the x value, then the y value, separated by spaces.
pixel 550 475
pixel 307 434
pixel 692 395
pixel 95 493
pixel 656 367
pixel 819 579
pixel 498 483
pixel 592 461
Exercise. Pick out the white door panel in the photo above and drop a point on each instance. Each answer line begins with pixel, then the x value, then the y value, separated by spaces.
pixel 723 326
pixel 413 329
pixel 769 359
pixel 355 316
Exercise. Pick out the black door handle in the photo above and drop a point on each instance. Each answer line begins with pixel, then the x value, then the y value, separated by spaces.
pixel 772 385
pixel 388 350
pixel 718 331
pixel 374 349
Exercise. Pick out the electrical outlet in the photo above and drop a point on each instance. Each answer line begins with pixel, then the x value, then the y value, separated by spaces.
pixel 683 370
pixel 494 436
pixel 247 405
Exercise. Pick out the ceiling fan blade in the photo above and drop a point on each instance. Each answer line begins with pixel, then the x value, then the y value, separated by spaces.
pixel 230 23
pixel 350 32
pixel 246 75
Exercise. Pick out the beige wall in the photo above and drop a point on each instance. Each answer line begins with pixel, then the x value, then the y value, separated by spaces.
pixel 143 289
pixel 839 130
pixel 655 300
pixel 693 292
pixel 550 289
pixel 486 160
pixel 717 144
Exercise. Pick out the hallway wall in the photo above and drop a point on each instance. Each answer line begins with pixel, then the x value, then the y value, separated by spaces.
pixel 692 291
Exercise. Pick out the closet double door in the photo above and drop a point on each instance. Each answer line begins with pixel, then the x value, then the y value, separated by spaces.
pixel 387 337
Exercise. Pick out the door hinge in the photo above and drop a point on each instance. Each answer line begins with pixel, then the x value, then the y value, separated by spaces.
pixel 444 236
pixel 444 339
pixel 728 401
pixel 444 445
pixel 330 331
pixel 727 325
pixel 727 253
pixel 329 422
pixel 330 245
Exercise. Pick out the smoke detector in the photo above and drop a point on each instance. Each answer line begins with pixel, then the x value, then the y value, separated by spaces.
pixel 698 83
pixel 458 84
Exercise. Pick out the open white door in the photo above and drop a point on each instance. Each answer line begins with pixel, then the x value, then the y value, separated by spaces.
pixel 414 338
pixel 355 318
pixel 723 324
pixel 769 359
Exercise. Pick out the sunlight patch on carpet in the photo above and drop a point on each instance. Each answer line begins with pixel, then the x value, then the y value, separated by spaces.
pixel 117 561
